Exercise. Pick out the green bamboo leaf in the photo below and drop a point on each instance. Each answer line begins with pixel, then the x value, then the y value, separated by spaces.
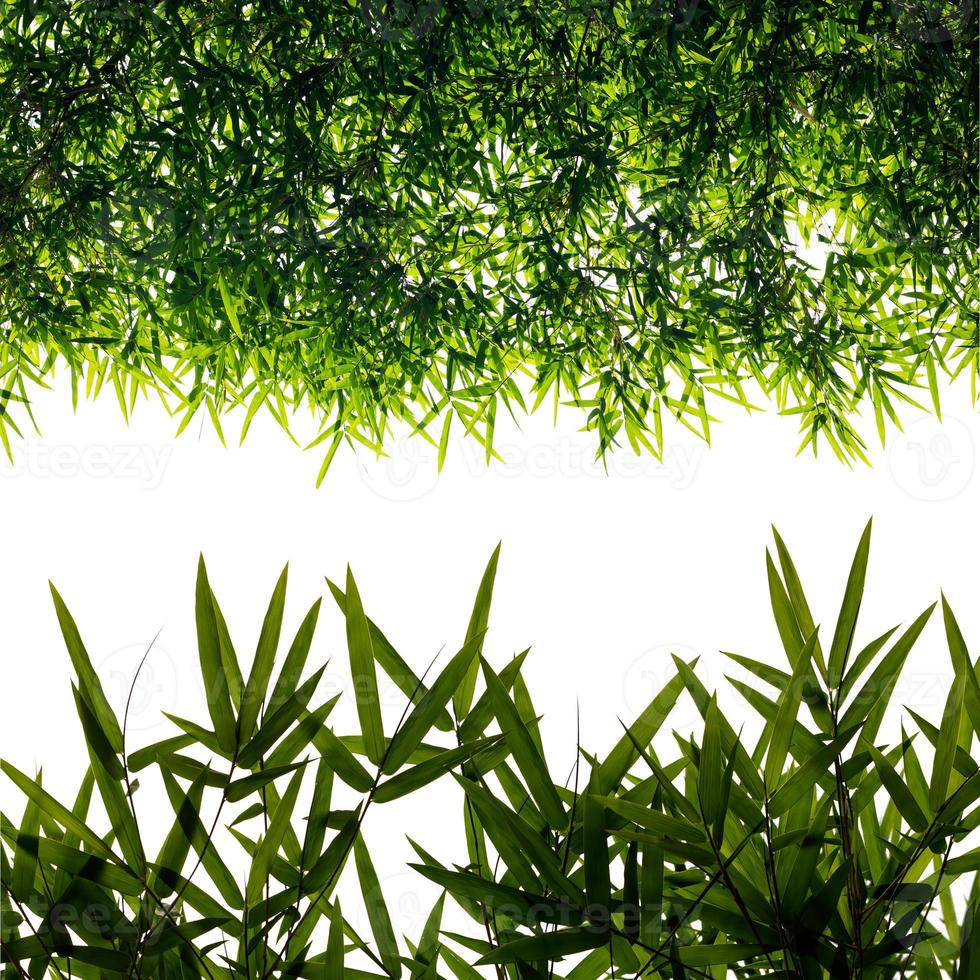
pixel 640 734
pixel 546 947
pixel 193 826
pixel 267 850
pixel 55 853
pixel 274 725
pixel 199 735
pixel 365 679
pixel 479 618
pixel 59 813
pixel 509 829
pixel 432 704
pixel 784 614
pixel 598 891
pixel 238 789
pixel 804 777
pixel 88 681
pixel 840 647
pixel 899 792
pixel 786 717
pixel 942 767
pixel 302 735
pixel 21 881
pixel 654 820
pixel 512 901
pixel 296 656
pixel 862 661
pixel 343 761
pixel 228 302
pixel 319 813
pixel 426 772
pixel 109 773
pixel 868 705
pixel 170 860
pixel 335 946
pixel 719 954
pixel 962 664
pixel 157 751
pixel 322 876
pixel 797 599
pixel 525 752
pixel 377 911
pixel 392 663
pixel 651 893
pixel 212 670
pixel 711 768
pixel 265 656
pixel 229 658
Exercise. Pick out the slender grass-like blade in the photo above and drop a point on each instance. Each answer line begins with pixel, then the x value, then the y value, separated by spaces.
pixel 377 910
pixel 88 681
pixel 840 647
pixel 265 656
pixel 463 697
pixel 212 668
pixel 365 679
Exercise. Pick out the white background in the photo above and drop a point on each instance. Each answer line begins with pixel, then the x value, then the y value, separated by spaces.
pixel 604 574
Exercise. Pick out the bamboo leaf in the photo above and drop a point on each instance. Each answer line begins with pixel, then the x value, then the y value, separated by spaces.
pixel 840 647
pixel 361 653
pixel 463 697
pixel 212 669
pixel 88 682
pixel 949 730
pixel 377 911
pixel 524 750
pixel 432 704
pixel 265 655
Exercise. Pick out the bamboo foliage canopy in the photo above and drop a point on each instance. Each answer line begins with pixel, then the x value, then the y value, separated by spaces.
pixel 419 211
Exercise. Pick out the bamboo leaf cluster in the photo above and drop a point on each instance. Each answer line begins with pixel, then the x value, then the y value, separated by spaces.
pixel 814 848
pixel 432 214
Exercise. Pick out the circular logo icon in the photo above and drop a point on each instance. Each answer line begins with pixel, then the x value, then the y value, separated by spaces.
pixel 149 693
pixel 933 460
pixel 407 471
